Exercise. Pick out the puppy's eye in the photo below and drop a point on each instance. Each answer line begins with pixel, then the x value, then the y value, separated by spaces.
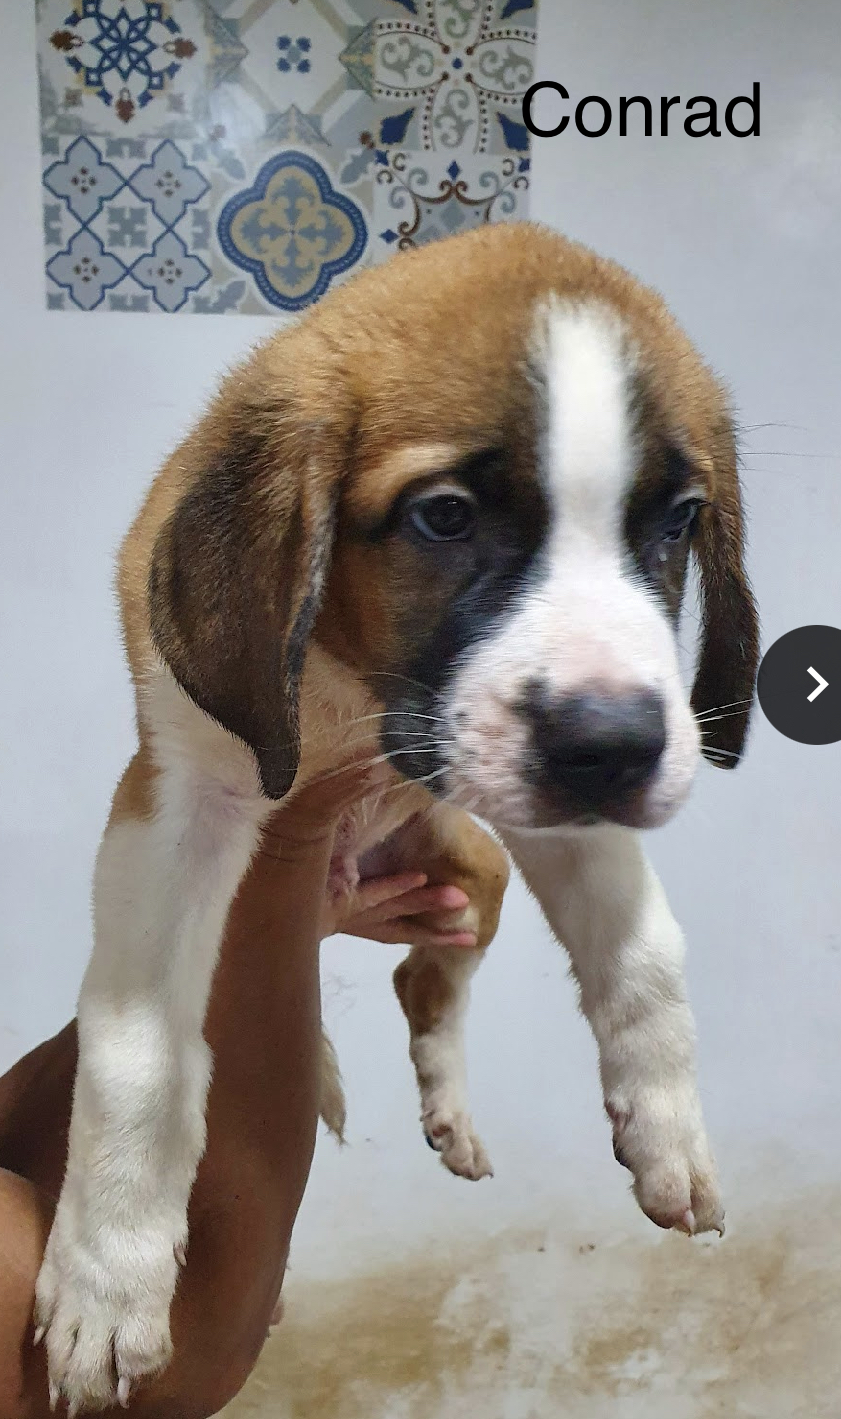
pixel 444 517
pixel 681 519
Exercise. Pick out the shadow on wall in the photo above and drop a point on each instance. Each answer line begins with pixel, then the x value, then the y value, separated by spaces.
pixel 534 1324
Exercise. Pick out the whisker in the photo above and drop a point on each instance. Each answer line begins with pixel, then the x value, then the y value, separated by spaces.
pixel 424 748
pixel 714 709
pixel 429 777
pixel 413 782
pixel 380 759
pixel 779 453
pixel 407 679
pixel 714 718
pixel 404 713
pixel 455 794
pixel 733 705
pixel 411 734
pixel 773 424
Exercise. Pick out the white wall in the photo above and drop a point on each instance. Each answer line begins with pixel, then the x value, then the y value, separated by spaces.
pixel 742 238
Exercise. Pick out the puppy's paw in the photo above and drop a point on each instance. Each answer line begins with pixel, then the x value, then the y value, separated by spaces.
pixel 450 1133
pixel 659 1136
pixel 104 1309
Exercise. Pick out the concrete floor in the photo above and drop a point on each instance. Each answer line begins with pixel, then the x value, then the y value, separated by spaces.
pixel 544 1322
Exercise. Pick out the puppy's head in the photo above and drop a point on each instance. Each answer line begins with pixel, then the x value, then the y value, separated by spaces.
pixel 476 477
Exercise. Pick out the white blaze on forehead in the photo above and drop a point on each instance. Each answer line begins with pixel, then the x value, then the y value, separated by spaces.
pixel 589 452
pixel 585 623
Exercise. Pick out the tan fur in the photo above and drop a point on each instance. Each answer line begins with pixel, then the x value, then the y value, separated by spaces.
pixel 384 481
pixel 332 1100
pixel 453 850
pixel 134 797
pixel 377 341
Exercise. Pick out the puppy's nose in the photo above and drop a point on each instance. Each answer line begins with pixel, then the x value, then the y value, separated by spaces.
pixel 595 748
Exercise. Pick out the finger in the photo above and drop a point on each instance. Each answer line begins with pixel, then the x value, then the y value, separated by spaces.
pixel 425 936
pixel 407 933
pixel 426 899
pixel 433 898
pixel 379 890
pixel 450 898
pixel 337 790
pixel 316 805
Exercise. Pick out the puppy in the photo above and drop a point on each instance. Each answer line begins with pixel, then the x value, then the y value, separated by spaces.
pixel 447 516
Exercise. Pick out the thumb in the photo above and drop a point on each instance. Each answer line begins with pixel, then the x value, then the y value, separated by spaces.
pixel 325 797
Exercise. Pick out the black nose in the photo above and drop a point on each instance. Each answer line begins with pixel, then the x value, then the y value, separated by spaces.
pixel 595 748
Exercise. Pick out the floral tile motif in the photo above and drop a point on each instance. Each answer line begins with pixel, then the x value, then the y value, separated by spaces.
pixel 244 156
pixel 412 209
pixel 168 183
pixel 462 75
pixel 292 230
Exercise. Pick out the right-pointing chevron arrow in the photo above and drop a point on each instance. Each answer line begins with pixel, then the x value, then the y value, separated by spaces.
pixel 822 684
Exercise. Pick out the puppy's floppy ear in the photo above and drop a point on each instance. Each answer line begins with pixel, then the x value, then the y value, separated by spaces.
pixel 237 573
pixel 725 678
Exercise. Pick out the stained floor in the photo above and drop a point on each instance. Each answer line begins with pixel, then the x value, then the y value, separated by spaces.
pixel 537 1324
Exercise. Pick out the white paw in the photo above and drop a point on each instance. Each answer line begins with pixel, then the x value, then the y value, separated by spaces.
pixel 450 1133
pixel 659 1136
pixel 104 1308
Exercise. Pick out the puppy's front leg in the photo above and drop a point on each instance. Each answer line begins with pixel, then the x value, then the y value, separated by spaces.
pixel 433 983
pixel 172 856
pixel 605 903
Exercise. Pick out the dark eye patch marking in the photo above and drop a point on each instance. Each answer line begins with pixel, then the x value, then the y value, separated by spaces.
pixel 458 590
pixel 660 517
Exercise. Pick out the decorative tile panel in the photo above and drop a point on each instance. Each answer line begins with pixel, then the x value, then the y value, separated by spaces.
pixel 224 156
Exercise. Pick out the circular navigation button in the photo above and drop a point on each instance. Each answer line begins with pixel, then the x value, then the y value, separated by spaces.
pixel 799 684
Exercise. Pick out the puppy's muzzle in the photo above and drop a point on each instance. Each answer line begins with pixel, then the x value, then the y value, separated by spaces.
pixel 594 751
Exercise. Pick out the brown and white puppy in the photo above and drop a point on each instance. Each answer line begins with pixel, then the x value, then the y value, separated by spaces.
pixel 448 516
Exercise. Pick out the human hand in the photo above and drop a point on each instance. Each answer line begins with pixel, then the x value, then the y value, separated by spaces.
pixel 388 909
pixel 308 817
